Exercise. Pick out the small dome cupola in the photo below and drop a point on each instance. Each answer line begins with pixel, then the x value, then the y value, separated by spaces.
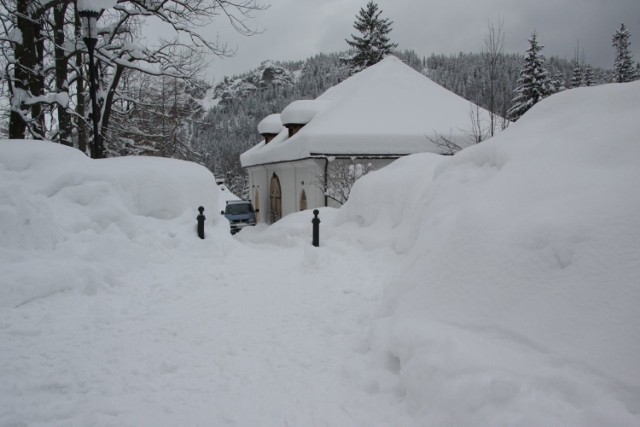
pixel 299 113
pixel 269 127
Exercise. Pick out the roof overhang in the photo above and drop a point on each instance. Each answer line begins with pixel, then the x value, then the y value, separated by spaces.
pixel 327 156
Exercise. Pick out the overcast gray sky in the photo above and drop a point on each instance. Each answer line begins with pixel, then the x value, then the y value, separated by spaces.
pixel 297 29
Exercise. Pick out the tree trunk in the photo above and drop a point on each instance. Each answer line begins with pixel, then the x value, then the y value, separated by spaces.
pixel 83 135
pixel 494 42
pixel 107 107
pixel 25 57
pixel 61 61
pixel 37 82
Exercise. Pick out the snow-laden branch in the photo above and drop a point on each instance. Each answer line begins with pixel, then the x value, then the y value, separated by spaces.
pixel 59 98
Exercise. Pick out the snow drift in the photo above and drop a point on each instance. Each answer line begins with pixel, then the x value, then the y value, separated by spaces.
pixel 518 298
pixel 114 313
pixel 57 207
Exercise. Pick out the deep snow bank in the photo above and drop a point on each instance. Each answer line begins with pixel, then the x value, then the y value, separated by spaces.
pixel 64 217
pixel 521 287
pixel 386 204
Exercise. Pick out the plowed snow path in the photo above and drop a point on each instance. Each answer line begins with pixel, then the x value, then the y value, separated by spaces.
pixel 254 334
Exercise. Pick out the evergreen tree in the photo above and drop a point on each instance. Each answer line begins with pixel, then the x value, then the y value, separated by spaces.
pixel 374 42
pixel 623 66
pixel 577 79
pixel 588 78
pixel 534 81
pixel 558 83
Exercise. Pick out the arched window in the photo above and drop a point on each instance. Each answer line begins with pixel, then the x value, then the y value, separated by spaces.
pixel 303 201
pixel 275 196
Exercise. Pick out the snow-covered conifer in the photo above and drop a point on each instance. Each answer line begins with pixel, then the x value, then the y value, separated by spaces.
pixel 374 42
pixel 623 65
pixel 535 83
pixel 588 78
pixel 577 78
pixel 558 83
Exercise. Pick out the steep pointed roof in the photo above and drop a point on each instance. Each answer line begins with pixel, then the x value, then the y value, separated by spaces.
pixel 388 109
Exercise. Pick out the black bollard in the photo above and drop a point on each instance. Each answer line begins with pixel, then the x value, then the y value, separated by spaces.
pixel 201 219
pixel 316 228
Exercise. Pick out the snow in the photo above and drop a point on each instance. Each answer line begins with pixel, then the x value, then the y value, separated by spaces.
pixel 60 98
pixel 389 109
pixel 56 202
pixel 495 287
pixel 209 100
pixel 302 112
pixel 96 5
pixel 270 125
pixel 522 283
pixel 15 35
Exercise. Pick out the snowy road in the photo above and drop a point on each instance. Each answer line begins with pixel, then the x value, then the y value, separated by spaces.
pixel 200 339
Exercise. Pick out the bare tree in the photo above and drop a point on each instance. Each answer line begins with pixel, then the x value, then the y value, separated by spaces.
pixel 494 43
pixel 23 53
pixel 340 177
pixel 577 76
pixel 61 61
pixel 478 131
pixel 180 58
pixel 44 60
pixel 445 142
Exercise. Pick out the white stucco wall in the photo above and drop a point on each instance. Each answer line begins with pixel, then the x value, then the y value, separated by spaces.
pixel 294 177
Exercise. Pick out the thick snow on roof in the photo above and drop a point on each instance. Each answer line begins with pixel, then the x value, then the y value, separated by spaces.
pixel 270 124
pixel 303 111
pixel 387 109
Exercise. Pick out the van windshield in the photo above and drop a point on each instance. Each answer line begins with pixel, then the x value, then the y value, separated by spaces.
pixel 239 208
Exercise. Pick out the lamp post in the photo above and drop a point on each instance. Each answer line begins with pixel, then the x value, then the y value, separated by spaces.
pixel 89 20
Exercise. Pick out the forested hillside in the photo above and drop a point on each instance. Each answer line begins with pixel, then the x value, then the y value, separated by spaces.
pixel 240 102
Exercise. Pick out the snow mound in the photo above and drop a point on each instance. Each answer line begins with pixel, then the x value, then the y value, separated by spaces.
pixel 270 124
pixel 384 200
pixel 517 302
pixel 302 112
pixel 63 212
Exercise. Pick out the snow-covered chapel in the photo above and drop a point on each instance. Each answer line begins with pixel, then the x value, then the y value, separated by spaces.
pixel 384 112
